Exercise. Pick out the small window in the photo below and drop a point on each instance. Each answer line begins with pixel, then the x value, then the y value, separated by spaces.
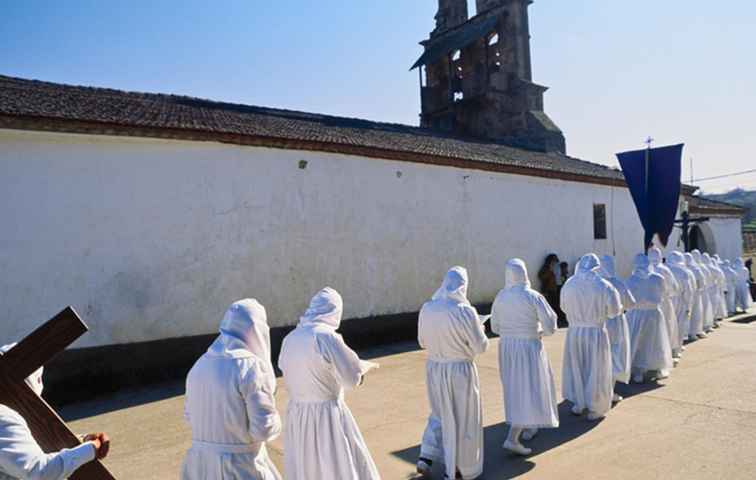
pixel 599 221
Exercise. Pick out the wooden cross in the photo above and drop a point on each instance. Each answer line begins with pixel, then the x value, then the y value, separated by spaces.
pixel 47 428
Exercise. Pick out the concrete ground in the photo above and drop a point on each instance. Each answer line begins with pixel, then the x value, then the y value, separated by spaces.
pixel 698 424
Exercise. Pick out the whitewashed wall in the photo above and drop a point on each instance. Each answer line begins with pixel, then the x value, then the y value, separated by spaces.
pixel 152 239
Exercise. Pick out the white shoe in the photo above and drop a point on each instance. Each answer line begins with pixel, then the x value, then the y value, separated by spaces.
pixel 577 410
pixel 528 434
pixel 617 398
pixel 594 416
pixel 423 468
pixel 517 448
pixel 701 335
pixel 682 349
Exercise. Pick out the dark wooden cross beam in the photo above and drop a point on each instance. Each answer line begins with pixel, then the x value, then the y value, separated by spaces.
pixel 684 223
pixel 48 429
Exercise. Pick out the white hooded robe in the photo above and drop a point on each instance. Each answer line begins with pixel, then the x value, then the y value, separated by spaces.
pixel 649 336
pixel 697 312
pixel 321 437
pixel 21 457
pixel 742 290
pixel 589 301
pixel 671 294
pixel 521 316
pixel 230 402
pixel 684 302
pixel 450 330
pixel 619 333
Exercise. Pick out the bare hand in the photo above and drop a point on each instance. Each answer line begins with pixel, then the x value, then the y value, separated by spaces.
pixel 101 443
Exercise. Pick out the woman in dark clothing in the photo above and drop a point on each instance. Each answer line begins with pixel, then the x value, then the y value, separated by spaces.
pixel 548 275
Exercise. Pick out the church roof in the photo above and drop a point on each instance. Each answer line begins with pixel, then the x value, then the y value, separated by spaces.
pixel 37 105
pixel 702 206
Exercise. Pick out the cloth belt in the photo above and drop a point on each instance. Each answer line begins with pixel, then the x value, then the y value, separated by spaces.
pixel 449 360
pixel 226 448
pixel 522 336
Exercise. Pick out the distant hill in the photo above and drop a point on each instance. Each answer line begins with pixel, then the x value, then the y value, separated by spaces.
pixel 744 198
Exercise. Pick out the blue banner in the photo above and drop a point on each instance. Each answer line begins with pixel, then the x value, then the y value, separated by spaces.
pixel 656 191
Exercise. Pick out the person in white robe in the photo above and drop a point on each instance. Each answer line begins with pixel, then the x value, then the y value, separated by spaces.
pixel 742 289
pixel 230 403
pixel 619 334
pixel 649 336
pixel 450 330
pixel 684 302
pixel 21 457
pixel 697 312
pixel 521 317
pixel 321 437
pixel 731 277
pixel 671 294
pixel 717 291
pixel 706 297
pixel 589 301
pixel 722 278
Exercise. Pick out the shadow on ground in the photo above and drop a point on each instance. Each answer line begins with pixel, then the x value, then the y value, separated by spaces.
pixel 500 464
pixel 119 401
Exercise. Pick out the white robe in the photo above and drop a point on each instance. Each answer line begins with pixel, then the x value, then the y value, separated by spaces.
pixel 230 403
pixel 697 306
pixel 449 329
pixel 321 437
pixel 589 301
pixel 22 458
pixel 732 285
pixel 684 302
pixel 743 290
pixel 521 316
pixel 649 336
pixel 619 333
pixel 707 292
pixel 671 294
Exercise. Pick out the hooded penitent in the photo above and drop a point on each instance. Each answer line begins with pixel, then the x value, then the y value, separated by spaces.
pixel 671 294
pixel 321 438
pixel 619 335
pixel 20 454
pixel 649 338
pixel 731 277
pixel 709 284
pixel 697 312
pixel 719 304
pixel 450 331
pixel 230 402
pixel 743 291
pixel 684 302
pixel 589 301
pixel 520 315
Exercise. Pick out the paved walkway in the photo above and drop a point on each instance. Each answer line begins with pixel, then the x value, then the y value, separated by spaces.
pixel 700 423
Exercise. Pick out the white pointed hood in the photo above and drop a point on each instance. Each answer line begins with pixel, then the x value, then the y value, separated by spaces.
pixel 454 286
pixel 326 308
pixel 516 274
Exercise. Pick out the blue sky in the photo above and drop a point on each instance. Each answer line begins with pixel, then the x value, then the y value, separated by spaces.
pixel 678 70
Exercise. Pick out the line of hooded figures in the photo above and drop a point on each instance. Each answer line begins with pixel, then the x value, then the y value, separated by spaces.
pixel 619 331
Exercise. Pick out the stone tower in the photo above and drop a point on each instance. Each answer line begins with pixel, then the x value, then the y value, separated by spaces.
pixel 476 77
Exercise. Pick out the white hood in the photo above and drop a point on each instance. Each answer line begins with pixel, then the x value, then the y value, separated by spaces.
pixel 326 308
pixel 454 286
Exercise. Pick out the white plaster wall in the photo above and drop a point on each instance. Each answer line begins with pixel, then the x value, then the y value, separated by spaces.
pixel 727 233
pixel 151 239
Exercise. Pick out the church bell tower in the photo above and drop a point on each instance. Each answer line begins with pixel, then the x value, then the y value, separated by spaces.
pixel 476 77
